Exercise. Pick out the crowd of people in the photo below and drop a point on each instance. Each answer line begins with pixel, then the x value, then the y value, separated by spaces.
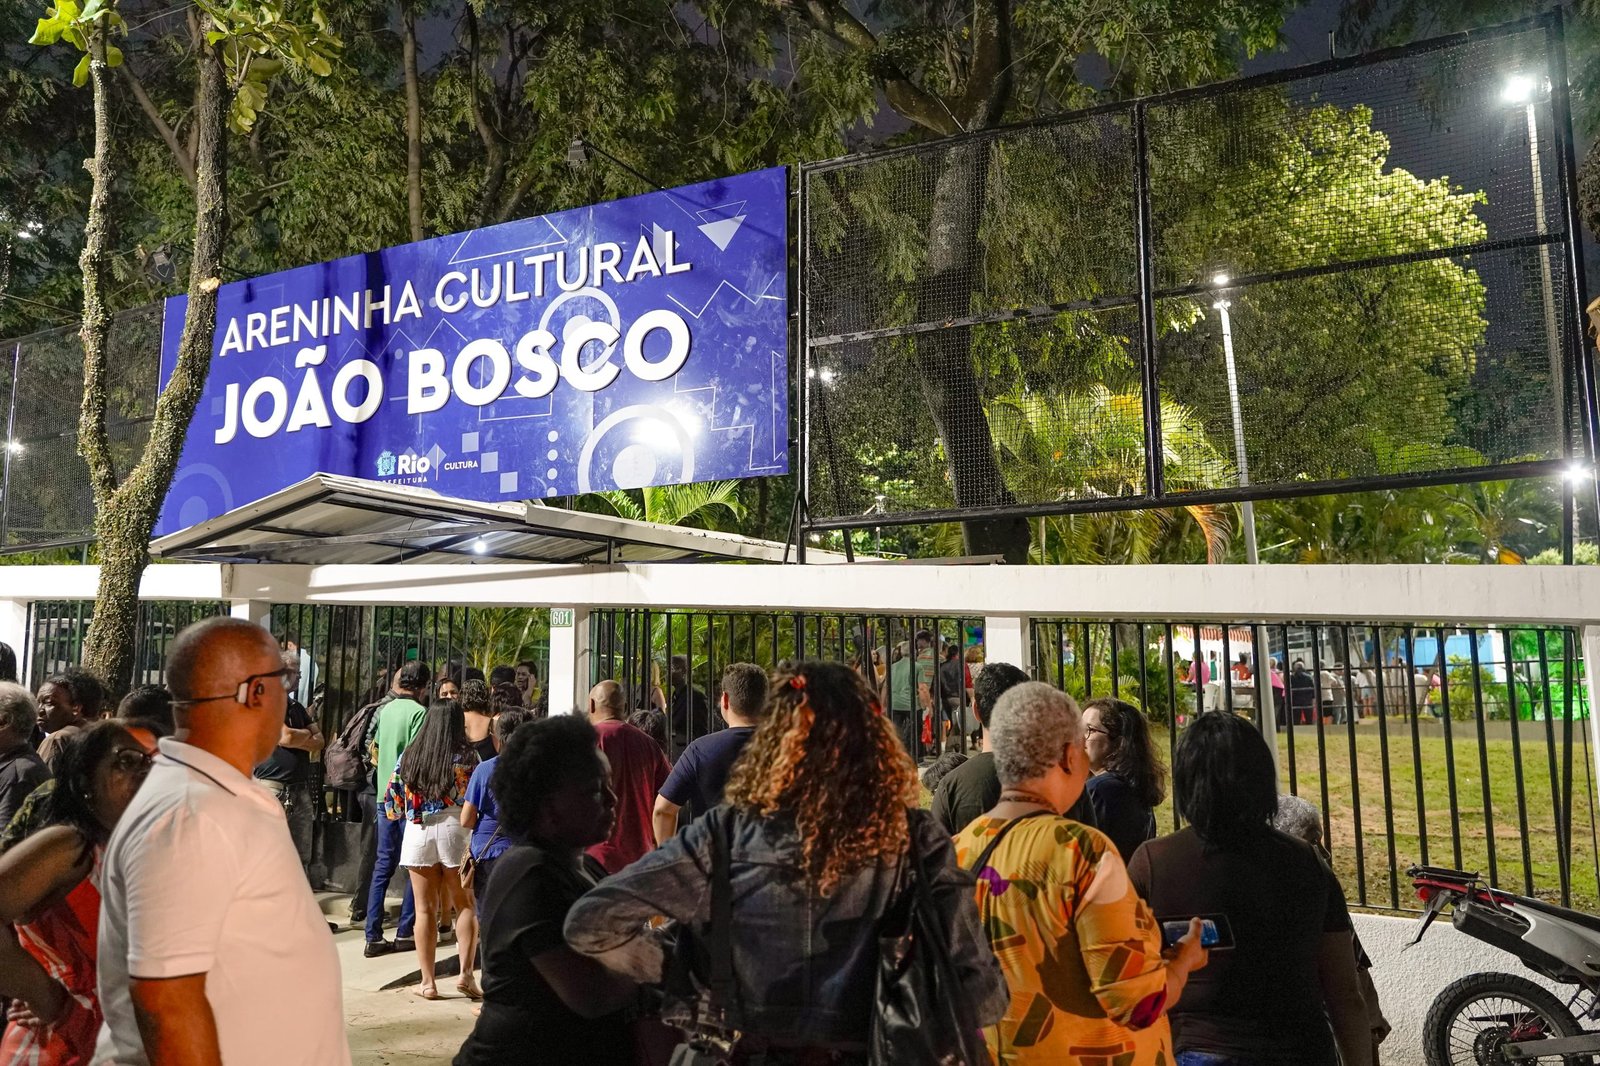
pixel 1334 691
pixel 620 893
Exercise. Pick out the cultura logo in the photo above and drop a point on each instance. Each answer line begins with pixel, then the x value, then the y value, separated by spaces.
pixel 386 463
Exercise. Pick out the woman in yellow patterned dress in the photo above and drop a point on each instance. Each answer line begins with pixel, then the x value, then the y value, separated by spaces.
pixel 1079 949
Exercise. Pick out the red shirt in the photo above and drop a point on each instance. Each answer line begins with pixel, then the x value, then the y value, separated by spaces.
pixel 638 770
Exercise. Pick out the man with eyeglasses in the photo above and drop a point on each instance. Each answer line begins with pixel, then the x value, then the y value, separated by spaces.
pixel 212 948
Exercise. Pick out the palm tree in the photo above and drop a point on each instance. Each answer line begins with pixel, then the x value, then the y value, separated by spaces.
pixel 699 505
pixel 1090 445
pixel 1501 521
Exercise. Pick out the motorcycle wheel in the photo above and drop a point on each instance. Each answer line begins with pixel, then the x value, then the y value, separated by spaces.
pixel 1473 1019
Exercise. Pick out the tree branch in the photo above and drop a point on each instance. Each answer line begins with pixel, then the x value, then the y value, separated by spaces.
pixel 413 125
pixel 909 99
pixel 180 154
pixel 494 164
pixel 989 77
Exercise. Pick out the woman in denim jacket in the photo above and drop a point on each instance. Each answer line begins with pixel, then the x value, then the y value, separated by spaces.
pixel 821 806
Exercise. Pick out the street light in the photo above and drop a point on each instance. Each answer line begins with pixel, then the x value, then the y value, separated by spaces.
pixel 1247 509
pixel 1521 90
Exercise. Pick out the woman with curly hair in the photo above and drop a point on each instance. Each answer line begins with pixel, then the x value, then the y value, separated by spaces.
pixel 1130 780
pixel 818 818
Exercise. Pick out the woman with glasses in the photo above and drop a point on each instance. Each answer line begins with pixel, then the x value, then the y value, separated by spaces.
pixel 1129 780
pixel 50 900
pixel 427 790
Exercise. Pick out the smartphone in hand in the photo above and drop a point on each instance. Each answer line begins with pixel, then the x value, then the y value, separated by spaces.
pixel 1215 932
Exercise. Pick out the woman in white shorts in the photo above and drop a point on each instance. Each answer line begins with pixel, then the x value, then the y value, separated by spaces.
pixel 427 790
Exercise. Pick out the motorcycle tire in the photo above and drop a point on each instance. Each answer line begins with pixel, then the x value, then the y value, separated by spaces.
pixel 1451 1038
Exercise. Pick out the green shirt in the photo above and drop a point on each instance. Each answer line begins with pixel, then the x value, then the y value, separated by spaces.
pixel 904 677
pixel 398 723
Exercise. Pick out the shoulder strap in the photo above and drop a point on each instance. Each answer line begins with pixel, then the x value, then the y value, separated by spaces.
pixel 983 858
pixel 487 844
pixel 720 981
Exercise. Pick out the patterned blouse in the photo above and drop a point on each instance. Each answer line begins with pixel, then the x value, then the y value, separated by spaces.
pixel 400 802
pixel 1079 948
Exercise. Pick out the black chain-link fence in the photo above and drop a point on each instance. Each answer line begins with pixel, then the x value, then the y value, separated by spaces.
pixel 44 485
pixel 1352 275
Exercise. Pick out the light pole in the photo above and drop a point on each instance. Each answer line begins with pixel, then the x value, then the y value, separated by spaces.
pixel 1247 509
pixel 1521 90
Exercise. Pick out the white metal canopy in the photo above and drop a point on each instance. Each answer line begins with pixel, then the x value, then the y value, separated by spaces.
pixel 328 519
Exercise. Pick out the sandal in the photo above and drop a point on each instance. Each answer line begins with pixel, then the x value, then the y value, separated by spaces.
pixel 472 992
pixel 431 993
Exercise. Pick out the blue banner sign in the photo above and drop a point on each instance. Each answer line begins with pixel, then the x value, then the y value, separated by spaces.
pixel 633 343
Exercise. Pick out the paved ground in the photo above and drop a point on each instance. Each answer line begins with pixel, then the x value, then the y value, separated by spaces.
pixel 390 1026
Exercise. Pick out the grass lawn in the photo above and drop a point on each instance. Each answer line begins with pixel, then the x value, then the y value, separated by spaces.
pixel 1448 831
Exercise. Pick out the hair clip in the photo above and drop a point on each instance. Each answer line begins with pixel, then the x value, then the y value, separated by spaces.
pixel 798 682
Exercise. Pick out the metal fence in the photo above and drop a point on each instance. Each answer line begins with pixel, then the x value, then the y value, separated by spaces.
pixel 1456 745
pixel 348 654
pixel 672 662
pixel 1488 767
pixel 57 629
pixel 1461 745
pixel 1352 275
pixel 45 497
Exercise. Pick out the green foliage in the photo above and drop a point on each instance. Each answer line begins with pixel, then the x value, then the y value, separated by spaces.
pixel 76 24
pixel 1584 553
pixel 1463 705
pixel 260 40
pixel 1491 522
pixel 702 504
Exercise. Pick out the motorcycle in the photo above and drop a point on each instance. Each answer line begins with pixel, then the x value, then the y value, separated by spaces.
pixel 1498 1019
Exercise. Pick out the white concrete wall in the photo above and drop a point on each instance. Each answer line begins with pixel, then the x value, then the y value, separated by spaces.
pixel 1409 979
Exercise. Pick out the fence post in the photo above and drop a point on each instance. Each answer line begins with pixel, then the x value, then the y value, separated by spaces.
pixel 1006 640
pixel 1591 678
pixel 568 684
pixel 257 612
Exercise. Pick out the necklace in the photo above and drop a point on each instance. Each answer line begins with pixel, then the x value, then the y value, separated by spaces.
pixel 1017 795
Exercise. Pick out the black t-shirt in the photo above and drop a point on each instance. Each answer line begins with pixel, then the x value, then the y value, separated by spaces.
pixel 292 766
pixel 701 772
pixel 1119 813
pixel 691 714
pixel 952 680
pixel 1261 1001
pixel 974 787
pixel 484 748
pixel 524 1021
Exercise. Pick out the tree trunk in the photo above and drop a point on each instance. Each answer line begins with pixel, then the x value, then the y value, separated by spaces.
pixel 413 124
pixel 494 149
pixel 944 357
pixel 125 519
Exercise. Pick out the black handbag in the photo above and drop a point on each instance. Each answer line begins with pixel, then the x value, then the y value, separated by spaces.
pixel 709 1041
pixel 922 1015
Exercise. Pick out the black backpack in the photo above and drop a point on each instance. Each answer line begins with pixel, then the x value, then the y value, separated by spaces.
pixel 344 762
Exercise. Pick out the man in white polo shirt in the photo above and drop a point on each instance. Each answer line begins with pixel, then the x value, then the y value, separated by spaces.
pixel 212 949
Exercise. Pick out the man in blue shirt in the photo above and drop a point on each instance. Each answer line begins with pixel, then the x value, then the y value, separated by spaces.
pixel 702 771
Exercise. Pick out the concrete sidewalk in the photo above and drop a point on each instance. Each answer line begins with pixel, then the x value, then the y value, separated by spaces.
pixel 387 1023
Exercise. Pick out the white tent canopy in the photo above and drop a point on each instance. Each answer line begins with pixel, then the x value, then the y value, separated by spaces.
pixel 329 519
